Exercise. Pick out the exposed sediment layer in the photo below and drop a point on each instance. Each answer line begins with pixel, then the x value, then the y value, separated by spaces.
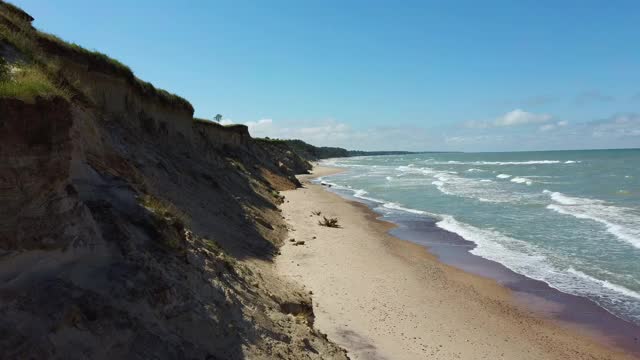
pixel 127 230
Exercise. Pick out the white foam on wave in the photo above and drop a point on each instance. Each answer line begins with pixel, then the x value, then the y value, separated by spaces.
pixel 492 245
pixel 475 170
pixel 451 183
pixel 330 162
pixel 526 259
pixel 536 263
pixel 520 180
pixel 623 223
pixel 396 206
pixel 499 163
pixel 503 176
pixel 361 194
pixel 410 169
pixel 606 284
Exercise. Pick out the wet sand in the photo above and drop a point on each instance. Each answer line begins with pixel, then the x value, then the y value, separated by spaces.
pixel 385 298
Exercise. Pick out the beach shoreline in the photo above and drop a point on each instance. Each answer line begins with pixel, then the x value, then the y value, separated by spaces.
pixel 398 301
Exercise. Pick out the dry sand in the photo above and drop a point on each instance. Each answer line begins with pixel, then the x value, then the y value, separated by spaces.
pixel 380 297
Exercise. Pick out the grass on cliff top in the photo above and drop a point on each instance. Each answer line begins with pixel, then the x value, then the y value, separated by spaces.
pixel 27 83
pixel 42 48
pixel 16 11
pixel 109 63
pixel 270 140
pixel 217 124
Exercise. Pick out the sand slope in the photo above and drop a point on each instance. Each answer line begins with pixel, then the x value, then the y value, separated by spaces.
pixel 383 298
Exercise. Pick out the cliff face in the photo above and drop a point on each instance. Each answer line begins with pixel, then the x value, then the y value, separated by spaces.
pixel 130 231
pixel 35 149
pixel 121 98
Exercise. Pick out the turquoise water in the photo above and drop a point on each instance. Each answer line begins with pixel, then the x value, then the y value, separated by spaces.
pixel 568 218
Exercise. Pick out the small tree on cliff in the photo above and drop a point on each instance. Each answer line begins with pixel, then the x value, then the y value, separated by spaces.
pixel 218 117
pixel 4 70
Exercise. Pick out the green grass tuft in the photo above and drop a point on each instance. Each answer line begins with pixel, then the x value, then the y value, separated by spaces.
pixel 15 11
pixel 42 48
pixel 163 209
pixel 27 83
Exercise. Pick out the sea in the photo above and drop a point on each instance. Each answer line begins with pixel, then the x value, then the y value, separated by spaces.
pixel 567 219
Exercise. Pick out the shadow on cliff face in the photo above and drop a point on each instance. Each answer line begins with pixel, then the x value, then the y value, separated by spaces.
pixel 224 196
pixel 139 290
pixel 87 271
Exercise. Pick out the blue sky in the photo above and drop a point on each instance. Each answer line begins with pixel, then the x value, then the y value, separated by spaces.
pixel 416 75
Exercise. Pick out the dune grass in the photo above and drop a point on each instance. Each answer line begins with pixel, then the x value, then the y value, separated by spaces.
pixel 29 82
pixel 270 141
pixel 15 11
pixel 110 64
pixel 42 49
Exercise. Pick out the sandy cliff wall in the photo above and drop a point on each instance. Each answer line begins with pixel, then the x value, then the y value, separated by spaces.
pixel 119 95
pixel 114 247
pixel 36 152
pixel 129 231
pixel 217 136
pixel 120 100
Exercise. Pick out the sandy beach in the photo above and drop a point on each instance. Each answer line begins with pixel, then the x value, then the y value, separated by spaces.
pixel 380 297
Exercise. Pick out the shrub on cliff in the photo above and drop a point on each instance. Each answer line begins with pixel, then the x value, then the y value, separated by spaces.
pixel 27 83
pixel 4 70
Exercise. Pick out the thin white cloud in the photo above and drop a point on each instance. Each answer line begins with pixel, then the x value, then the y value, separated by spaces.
pixel 521 117
pixel 471 140
pixel 260 126
pixel 617 126
pixel 504 133
pixel 549 127
pixel 515 117
pixel 333 133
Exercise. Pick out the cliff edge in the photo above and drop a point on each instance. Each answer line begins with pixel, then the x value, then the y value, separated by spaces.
pixel 130 230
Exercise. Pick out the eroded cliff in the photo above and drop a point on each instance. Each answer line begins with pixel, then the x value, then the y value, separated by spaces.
pixel 130 231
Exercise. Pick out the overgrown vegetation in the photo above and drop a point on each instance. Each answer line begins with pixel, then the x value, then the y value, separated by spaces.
pixel 212 246
pixel 230 263
pixel 171 222
pixel 42 49
pixel 232 127
pixel 173 226
pixel 163 209
pixel 279 197
pixel 28 82
pixel 329 222
pixel 5 71
pixel 310 152
pixel 268 140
